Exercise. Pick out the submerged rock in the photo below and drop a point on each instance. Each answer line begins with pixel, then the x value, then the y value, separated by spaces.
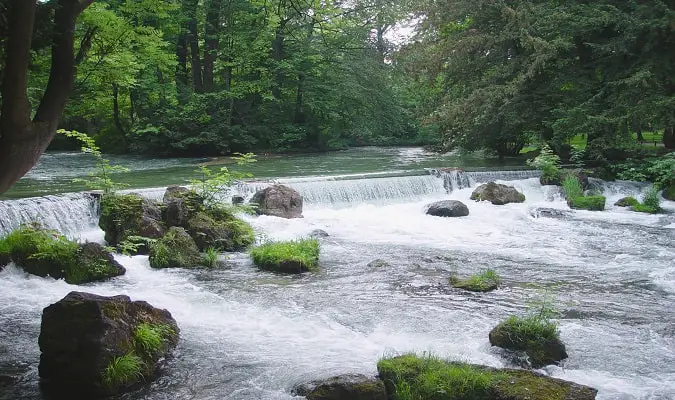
pixel 343 387
pixel 542 347
pixel 318 233
pixel 279 201
pixel 629 201
pixel 432 378
pixel 448 208
pixel 497 194
pixel 176 249
pixel 96 346
pixel 542 212
pixel 379 263
pixel 236 200
pixel 129 215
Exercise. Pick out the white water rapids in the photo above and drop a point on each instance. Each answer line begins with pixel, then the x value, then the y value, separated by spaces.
pixel 248 334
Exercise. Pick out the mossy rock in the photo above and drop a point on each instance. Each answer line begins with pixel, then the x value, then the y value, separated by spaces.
pixel 176 249
pixel 590 203
pixel 478 283
pixel 629 201
pixel 537 337
pixel 669 192
pixel 180 204
pixel 343 387
pixel 94 346
pixel 292 257
pixel 44 252
pixel 497 194
pixel 220 230
pixel 411 376
pixel 378 263
pixel 129 215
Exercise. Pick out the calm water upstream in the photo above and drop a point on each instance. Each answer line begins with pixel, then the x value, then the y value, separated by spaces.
pixel 248 334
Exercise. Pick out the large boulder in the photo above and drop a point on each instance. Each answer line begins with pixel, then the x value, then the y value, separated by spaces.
pixel 45 252
pixel 497 194
pixel 95 346
pixel 180 203
pixel 176 249
pixel 448 208
pixel 344 387
pixel 128 215
pixel 542 346
pixel 279 201
pixel 226 232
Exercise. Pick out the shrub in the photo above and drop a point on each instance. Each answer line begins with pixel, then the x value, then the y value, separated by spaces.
pixel 651 202
pixel 572 187
pixel 484 282
pixel 591 203
pixel 548 163
pixel 123 370
pixel 293 256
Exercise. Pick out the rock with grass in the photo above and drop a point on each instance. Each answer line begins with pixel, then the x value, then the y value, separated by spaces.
pixel 47 253
pixel 427 377
pixel 94 346
pixel 544 212
pixel 447 208
pixel 129 215
pixel 180 203
pixel 590 203
pixel 486 281
pixel 292 257
pixel 343 387
pixel 176 249
pixel 538 337
pixel 278 201
pixel 318 234
pixel 497 194
pixel 629 201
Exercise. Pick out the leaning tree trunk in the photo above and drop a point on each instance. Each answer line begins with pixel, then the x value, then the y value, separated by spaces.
pixel 22 140
pixel 669 138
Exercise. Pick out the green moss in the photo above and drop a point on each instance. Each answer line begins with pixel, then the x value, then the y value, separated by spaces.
pixel 411 377
pixel 525 385
pixel 643 208
pixel 175 250
pixel 220 230
pixel 629 201
pixel 537 336
pixel 591 203
pixel 484 282
pixel 40 251
pixel 293 256
pixel 123 371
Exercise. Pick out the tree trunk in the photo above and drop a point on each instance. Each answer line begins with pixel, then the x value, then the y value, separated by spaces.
pixel 277 56
pixel 193 42
pixel 669 138
pixel 638 132
pixel 182 80
pixel 211 32
pixel 23 141
pixel 116 110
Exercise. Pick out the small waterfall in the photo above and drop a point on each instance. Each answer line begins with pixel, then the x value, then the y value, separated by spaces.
pixel 69 213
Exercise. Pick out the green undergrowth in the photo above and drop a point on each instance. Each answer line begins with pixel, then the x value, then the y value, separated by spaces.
pixel 484 282
pixel 292 256
pixel 574 193
pixel 210 257
pixel 651 202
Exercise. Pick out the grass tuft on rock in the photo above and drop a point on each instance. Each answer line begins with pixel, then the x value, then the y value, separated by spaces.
pixel 411 377
pixel 122 371
pixel 590 203
pixel 486 281
pixel 149 339
pixel 294 256
pixel 651 202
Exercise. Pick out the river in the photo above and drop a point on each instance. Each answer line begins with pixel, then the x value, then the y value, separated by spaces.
pixel 248 334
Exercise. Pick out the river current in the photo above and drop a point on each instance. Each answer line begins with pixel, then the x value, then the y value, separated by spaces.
pixel 247 334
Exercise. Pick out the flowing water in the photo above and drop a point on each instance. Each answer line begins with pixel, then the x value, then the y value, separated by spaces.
pixel 247 334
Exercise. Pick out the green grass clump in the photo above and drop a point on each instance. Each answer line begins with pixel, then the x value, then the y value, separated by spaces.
pixel 122 371
pixel 591 203
pixel 210 257
pixel 572 187
pixel 651 202
pixel 149 339
pixel 484 282
pixel 413 378
pixel 532 327
pixel 294 256
pixel 40 251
